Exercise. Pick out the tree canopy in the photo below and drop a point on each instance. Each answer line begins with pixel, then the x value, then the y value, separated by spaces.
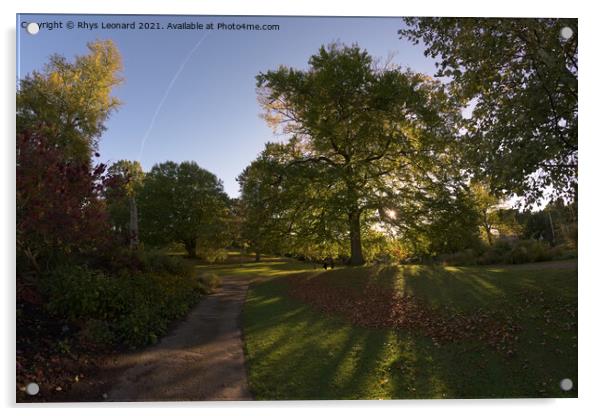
pixel 183 203
pixel 69 102
pixel 361 139
pixel 61 113
pixel 520 76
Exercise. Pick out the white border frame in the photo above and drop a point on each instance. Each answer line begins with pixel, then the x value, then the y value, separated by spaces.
pixel 589 199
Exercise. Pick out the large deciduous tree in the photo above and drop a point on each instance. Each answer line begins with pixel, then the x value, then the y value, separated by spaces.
pixel 520 75
pixel 258 205
pixel 183 203
pixel 361 138
pixel 69 102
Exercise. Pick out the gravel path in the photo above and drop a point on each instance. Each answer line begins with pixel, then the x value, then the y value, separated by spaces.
pixel 201 359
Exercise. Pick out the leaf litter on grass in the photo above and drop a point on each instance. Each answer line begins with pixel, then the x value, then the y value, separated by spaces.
pixel 379 307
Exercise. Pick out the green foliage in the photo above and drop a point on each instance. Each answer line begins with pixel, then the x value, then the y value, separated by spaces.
pixel 452 223
pixel 209 282
pixel 497 253
pixel 443 219
pixel 374 245
pixel 141 261
pixel 492 218
pixel 556 224
pixel 155 262
pixel 132 174
pixel 129 176
pixel 509 252
pixel 183 203
pixel 61 113
pixel 98 332
pixel 260 206
pixel 129 307
pixel 211 255
pixel 363 140
pixel 520 78
pixel 528 251
pixel 467 257
pixel 76 291
pixel 71 101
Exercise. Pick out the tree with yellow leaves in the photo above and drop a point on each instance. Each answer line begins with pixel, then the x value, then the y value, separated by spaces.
pixel 69 102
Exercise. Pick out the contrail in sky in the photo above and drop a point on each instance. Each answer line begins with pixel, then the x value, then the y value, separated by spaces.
pixel 167 91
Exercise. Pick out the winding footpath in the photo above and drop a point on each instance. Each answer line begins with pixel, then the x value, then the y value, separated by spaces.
pixel 201 359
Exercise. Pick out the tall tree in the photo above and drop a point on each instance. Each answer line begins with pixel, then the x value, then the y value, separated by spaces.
pixel 259 228
pixel 69 102
pixel 520 76
pixel 60 114
pixel 493 217
pixel 183 203
pixel 121 200
pixel 487 206
pixel 360 136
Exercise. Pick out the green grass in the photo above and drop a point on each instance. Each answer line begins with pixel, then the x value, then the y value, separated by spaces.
pixel 296 352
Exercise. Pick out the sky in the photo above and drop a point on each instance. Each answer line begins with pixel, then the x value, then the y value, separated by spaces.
pixel 190 94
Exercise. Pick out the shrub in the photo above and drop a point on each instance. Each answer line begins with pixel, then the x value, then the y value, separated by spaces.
pixel 76 292
pixel 501 247
pixel 522 251
pixel 563 252
pixel 528 251
pixel 209 282
pixel 491 257
pixel 568 254
pixel 214 255
pixel 136 307
pixel 153 262
pixel 465 257
pixel 125 260
pixel 97 332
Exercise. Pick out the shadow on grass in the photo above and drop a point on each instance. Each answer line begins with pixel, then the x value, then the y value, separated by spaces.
pixel 469 288
pixel 255 270
pixel 295 352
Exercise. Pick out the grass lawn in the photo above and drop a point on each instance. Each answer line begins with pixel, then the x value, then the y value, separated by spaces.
pixel 294 351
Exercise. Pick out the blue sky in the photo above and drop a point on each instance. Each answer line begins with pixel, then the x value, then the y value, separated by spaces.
pixel 209 111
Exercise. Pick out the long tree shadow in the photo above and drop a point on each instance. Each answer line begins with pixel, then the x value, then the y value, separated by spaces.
pixel 470 288
pixel 311 367
pixel 322 356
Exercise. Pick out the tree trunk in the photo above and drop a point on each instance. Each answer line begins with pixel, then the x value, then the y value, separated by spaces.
pixel 134 241
pixel 190 246
pixel 487 227
pixel 489 235
pixel 552 228
pixel 357 257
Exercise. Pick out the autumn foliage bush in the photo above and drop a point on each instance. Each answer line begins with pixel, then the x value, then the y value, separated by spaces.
pixel 60 212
